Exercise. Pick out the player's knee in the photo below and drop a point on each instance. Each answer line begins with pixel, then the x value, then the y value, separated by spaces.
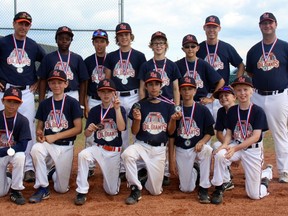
pixel 84 154
pixel 36 148
pixel 254 195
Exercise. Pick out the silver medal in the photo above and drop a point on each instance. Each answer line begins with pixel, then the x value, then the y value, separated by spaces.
pixel 124 81
pixel 178 109
pixel 187 142
pixel 10 151
pixel 20 70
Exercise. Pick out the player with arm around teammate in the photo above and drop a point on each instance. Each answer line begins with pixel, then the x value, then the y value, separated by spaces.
pixel 59 122
pixel 151 123
pixel 15 134
pixel 193 130
pixel 105 121
pixel 245 124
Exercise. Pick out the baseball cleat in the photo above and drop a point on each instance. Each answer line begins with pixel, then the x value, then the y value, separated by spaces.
pixel 29 176
pixel 80 199
pixel 17 197
pixel 228 186
pixel 203 195
pixel 283 177
pixel 134 196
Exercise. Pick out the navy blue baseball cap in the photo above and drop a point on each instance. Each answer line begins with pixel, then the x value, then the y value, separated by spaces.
pixel 158 34
pixel 224 89
pixel 244 80
pixel 13 93
pixel 123 27
pixel 23 17
pixel 106 84
pixel 267 16
pixel 212 20
pixel 57 74
pixel 187 81
pixel 100 33
pixel 64 29
pixel 153 76
pixel 189 39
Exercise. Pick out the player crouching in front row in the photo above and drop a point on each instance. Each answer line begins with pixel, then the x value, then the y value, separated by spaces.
pixel 59 121
pixel 105 121
pixel 152 121
pixel 193 130
pixel 15 134
pixel 245 124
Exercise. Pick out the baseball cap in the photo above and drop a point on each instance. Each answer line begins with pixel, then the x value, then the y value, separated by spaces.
pixel 242 80
pixel 23 17
pixel 13 93
pixel 226 89
pixel 187 81
pixel 57 74
pixel 107 84
pixel 189 39
pixel 123 27
pixel 153 76
pixel 100 33
pixel 267 16
pixel 158 34
pixel 64 29
pixel 212 20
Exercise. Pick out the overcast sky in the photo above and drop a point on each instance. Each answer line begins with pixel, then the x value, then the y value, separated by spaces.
pixel 239 20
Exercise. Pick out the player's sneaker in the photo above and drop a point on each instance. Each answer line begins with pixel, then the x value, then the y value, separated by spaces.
pixel 134 196
pixel 217 195
pixel 41 194
pixel 203 195
pixel 17 197
pixel 228 186
pixel 166 181
pixel 91 173
pixel 283 177
pixel 29 176
pixel 80 199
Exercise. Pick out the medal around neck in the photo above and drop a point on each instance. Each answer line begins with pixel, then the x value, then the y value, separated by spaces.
pixel 187 143
pixel 10 151
pixel 178 109
pixel 100 126
pixel 20 70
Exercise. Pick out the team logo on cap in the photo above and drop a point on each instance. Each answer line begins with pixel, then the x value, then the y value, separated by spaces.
pixel 153 74
pixel 123 27
pixel 158 33
pixel 212 19
pixel 65 28
pixel 241 79
pixel 106 83
pixel 15 92
pixel 56 73
pixel 265 15
pixel 189 38
pixel 187 79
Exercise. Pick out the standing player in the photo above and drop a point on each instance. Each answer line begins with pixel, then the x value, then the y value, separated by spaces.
pixel 59 121
pixel 245 124
pixel 18 54
pixel 193 130
pixel 69 62
pixel 122 66
pixel 94 64
pixel 15 134
pixel 219 55
pixel 152 121
pixel 267 63
pixel 105 121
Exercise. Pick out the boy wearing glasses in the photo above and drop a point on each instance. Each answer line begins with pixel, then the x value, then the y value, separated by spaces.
pixel 18 54
pixel 95 67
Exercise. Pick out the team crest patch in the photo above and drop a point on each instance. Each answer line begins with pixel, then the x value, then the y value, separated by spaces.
pixel 154 123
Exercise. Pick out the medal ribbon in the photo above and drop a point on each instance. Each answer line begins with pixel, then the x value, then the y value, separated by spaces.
pixel 188 125
pixel 166 100
pixel 127 61
pixel 102 69
pixel 214 55
pixel 244 133
pixel 263 50
pixel 19 57
pixel 101 114
pixel 9 135
pixel 163 68
pixel 58 118
pixel 194 70
pixel 65 69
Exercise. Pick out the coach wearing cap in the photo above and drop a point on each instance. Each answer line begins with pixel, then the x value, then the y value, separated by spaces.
pixel 267 64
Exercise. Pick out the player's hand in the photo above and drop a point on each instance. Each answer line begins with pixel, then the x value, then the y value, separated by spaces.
pixel 220 148
pixel 92 127
pixel 177 116
pixel 2 87
pixel 172 169
pixel 116 101
pixel 40 136
pixel 136 114
pixel 206 100
pixel 51 138
pixel 198 147
pixel 230 152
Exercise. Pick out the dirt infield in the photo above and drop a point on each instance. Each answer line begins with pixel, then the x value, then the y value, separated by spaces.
pixel 171 202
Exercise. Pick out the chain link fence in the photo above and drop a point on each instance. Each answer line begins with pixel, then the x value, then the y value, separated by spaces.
pixel 83 17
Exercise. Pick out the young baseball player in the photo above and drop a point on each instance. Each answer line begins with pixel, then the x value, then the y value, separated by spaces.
pixel 94 64
pixel 169 74
pixel 226 97
pixel 267 64
pixel 219 55
pixel 245 124
pixel 15 134
pixel 122 66
pixel 152 120
pixel 69 62
pixel 193 130
pixel 59 121
pixel 207 79
pixel 105 121
pixel 18 54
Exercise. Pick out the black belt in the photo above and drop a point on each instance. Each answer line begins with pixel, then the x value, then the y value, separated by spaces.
pixel 255 146
pixel 127 93
pixel 153 143
pixel 265 93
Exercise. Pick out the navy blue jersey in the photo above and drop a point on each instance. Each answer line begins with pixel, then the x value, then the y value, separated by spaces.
pixel 76 71
pixel 96 74
pixel 21 133
pixel 125 76
pixel 272 74
pixel 226 55
pixel 221 120
pixel 110 135
pixel 257 121
pixel 200 122
pixel 71 111
pixel 154 121
pixel 170 73
pixel 205 76
pixel 9 63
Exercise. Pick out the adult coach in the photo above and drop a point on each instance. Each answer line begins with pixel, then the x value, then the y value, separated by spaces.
pixel 267 64
pixel 18 54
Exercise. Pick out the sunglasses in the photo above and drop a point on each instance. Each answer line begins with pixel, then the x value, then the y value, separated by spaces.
pixel 190 46
pixel 100 33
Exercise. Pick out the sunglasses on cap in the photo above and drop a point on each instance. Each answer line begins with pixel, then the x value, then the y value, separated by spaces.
pixel 100 33
pixel 190 46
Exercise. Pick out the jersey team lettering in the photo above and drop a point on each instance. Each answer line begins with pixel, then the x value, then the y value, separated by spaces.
pixel 268 64
pixel 154 123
